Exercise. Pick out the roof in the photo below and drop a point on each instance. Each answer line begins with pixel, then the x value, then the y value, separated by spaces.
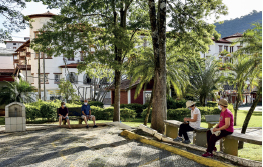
pixel 15 41
pixel 47 14
pixel 23 67
pixel 234 35
pixel 9 71
pixel 223 41
pixel 72 65
pixel 24 45
pixel 125 84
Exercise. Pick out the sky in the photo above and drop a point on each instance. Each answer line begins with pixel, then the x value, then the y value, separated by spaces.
pixel 236 8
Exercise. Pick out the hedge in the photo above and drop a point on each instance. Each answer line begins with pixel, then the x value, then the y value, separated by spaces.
pixel 96 103
pixel 173 104
pixel 138 108
pixel 180 113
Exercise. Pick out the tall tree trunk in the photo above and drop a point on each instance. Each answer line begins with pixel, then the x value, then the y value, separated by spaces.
pixel 39 84
pixel 159 108
pixel 148 110
pixel 116 116
pixel 249 114
pixel 236 108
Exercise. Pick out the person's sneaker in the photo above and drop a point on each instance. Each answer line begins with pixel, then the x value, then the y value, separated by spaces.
pixel 207 154
pixel 215 149
pixel 87 126
pixel 95 126
pixel 186 141
pixel 178 139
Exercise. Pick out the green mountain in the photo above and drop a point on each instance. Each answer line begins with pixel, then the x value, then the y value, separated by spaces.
pixel 230 27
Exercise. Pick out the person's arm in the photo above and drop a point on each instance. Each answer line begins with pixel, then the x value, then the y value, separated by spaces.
pixel 67 113
pixel 59 112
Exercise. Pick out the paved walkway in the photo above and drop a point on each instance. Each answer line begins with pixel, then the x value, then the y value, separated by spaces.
pixel 82 147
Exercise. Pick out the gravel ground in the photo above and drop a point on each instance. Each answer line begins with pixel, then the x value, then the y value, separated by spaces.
pixel 82 147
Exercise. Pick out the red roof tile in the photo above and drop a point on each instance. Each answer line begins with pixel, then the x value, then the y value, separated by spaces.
pixel 47 14
pixel 234 35
pixel 23 67
pixel 72 65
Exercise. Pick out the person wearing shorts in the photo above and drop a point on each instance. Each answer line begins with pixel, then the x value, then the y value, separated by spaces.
pixel 86 114
pixel 63 114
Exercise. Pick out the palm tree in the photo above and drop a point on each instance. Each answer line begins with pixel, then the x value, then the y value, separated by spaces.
pixel 143 69
pixel 238 75
pixel 204 79
pixel 252 39
pixel 18 91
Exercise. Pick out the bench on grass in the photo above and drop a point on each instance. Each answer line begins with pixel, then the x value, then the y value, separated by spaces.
pixel 228 144
pixel 172 129
pixel 212 120
pixel 74 111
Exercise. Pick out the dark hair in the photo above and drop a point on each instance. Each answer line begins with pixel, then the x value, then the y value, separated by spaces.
pixel 62 102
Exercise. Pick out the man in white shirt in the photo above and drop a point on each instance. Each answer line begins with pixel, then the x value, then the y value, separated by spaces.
pixel 194 122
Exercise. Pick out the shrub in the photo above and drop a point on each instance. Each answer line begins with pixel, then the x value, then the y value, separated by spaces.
pixel 32 112
pixel 127 113
pixel 96 103
pixel 138 108
pixel 179 113
pixel 48 110
pixel 173 104
pixel 212 104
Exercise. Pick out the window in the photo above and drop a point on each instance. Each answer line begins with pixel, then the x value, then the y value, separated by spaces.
pixel 238 47
pixel 57 78
pixel 147 96
pixel 36 54
pixel 86 79
pixel 14 43
pixel 220 48
pixel 14 47
pixel 72 77
pixel 231 49
pixel 226 48
pixel 42 78
pixel 36 33
pixel 71 58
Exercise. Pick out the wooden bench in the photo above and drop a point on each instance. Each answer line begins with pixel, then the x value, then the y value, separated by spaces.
pixel 74 111
pixel 229 144
pixel 172 127
pixel 212 120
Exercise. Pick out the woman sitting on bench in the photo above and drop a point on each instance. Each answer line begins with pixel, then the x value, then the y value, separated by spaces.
pixel 194 122
pixel 224 128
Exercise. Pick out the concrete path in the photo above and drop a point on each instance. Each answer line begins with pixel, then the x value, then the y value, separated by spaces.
pixel 258 108
pixel 82 147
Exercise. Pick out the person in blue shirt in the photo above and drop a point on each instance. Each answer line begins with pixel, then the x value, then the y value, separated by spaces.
pixel 86 114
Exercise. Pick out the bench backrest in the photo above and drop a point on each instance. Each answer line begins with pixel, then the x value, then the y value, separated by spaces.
pixel 74 111
pixel 212 118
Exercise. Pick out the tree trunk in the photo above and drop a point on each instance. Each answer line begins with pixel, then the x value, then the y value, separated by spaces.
pixel 39 84
pixel 159 108
pixel 116 116
pixel 148 110
pixel 236 108
pixel 249 114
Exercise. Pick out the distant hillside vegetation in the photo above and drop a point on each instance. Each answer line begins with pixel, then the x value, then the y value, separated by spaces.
pixel 230 27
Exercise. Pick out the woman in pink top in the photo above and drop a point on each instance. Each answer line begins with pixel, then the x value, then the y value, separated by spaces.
pixel 225 126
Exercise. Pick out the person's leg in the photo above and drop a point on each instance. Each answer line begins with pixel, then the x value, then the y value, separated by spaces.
pixel 60 120
pixel 187 128
pixel 85 119
pixel 213 139
pixel 93 119
pixel 181 130
pixel 67 119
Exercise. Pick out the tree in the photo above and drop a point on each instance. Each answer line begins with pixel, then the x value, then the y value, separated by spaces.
pixel 204 79
pixel 142 68
pixel 67 91
pixel 14 19
pixel 252 40
pixel 108 26
pixel 18 91
pixel 186 16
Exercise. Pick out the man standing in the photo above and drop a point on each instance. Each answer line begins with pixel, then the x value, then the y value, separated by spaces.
pixel 63 114
pixel 86 114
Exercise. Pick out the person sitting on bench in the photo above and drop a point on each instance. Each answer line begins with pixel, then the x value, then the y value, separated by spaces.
pixel 194 122
pixel 224 128
pixel 86 114
pixel 63 114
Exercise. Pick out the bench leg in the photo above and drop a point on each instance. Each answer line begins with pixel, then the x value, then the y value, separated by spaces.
pixel 80 121
pixel 229 146
pixel 64 122
pixel 200 139
pixel 171 131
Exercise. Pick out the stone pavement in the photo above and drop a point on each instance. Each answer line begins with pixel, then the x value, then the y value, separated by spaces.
pixel 82 147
